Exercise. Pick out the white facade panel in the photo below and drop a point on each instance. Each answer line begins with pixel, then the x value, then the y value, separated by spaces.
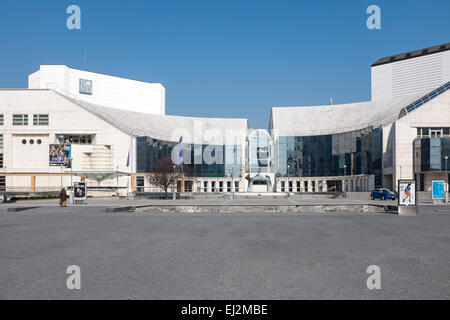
pixel 405 77
pixel 105 90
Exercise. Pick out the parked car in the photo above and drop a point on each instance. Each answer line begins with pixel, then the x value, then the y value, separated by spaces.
pixel 383 194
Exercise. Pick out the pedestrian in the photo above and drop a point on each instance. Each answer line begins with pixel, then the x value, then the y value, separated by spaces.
pixel 63 198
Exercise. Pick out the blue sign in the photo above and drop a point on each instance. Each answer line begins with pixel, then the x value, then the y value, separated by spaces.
pixel 438 190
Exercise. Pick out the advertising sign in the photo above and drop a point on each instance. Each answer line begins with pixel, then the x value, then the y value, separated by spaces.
pixel 406 192
pixel 438 190
pixel 59 155
pixel 85 86
pixel 79 189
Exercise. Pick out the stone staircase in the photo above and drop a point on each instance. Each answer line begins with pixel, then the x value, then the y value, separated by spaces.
pixel 101 158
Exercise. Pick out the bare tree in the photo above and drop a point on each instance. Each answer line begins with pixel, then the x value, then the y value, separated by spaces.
pixel 161 174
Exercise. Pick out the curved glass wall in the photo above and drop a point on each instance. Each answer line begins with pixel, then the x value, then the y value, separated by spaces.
pixel 430 153
pixel 150 150
pixel 350 153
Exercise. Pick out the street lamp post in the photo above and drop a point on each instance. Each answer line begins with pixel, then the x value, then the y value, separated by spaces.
pixel 117 182
pixel 71 181
pixel 446 171
pixel 173 188
pixel 232 182
pixel 289 169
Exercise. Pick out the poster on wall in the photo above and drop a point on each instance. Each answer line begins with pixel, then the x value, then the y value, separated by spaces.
pixel 438 190
pixel 79 189
pixel 406 192
pixel 59 155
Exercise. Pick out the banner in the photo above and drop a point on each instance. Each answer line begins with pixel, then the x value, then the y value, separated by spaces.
pixel 59 155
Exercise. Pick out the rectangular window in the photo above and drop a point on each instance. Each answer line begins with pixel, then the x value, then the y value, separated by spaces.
pixel 282 186
pixel 290 186
pixel 20 119
pixel 40 119
pixel 75 139
pixel 205 186
pixel 1 142
pixel 305 186
pixel 2 183
pixel 228 186
pixel 236 186
pixel 220 186
pixel 2 120
pixel 1 160
pixel 298 186
pixel 213 186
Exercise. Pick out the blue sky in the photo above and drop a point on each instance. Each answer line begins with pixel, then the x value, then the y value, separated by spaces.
pixel 234 58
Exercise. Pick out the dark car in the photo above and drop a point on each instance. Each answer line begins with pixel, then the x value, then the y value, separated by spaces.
pixel 383 194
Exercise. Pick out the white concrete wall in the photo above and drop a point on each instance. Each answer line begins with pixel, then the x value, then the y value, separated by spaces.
pixel 107 90
pixel 64 118
pixel 409 76
pixel 435 113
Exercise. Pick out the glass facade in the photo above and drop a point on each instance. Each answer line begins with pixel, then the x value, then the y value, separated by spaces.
pixel 430 153
pixel 150 150
pixel 350 153
pixel 259 152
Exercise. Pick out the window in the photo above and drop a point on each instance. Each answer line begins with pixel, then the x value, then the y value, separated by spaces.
pixel 220 186
pixel 282 186
pixel 75 139
pixel 40 120
pixel 24 141
pixel 228 186
pixel 213 186
pixel 20 119
pixel 236 186
pixel 205 186
pixel 39 141
pixel 432 132
pixel 1 142
pixel 31 141
pixel 2 120
pixel 1 160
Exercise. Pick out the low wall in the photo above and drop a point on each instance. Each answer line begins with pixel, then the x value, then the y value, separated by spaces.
pixel 347 208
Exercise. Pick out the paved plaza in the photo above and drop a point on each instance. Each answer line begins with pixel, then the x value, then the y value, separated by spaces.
pixel 138 255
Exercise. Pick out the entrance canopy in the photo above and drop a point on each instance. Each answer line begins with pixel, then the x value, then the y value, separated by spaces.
pixel 99 176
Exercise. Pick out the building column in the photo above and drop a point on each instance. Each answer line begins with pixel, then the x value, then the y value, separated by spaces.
pixel 33 183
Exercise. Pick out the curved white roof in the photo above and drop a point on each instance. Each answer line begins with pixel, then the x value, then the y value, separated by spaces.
pixel 219 131
pixel 337 118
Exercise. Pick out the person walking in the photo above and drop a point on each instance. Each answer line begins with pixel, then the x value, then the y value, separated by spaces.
pixel 63 198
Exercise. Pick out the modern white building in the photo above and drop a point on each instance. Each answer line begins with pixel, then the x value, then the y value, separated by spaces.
pixel 101 89
pixel 72 125
pixel 359 146
pixel 410 72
